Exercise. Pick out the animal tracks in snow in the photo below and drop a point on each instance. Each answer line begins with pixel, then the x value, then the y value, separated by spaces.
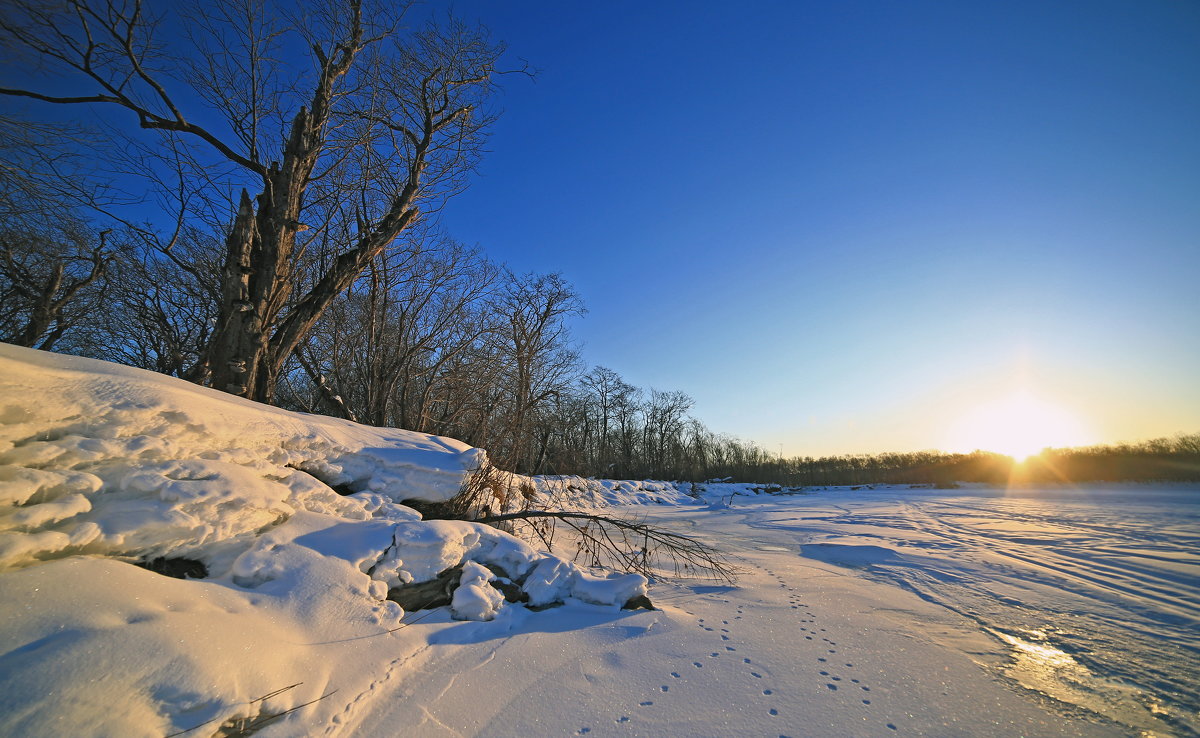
pixel 731 655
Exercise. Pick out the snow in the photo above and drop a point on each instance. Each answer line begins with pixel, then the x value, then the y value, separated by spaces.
pixel 475 598
pixel 103 466
pixel 1040 612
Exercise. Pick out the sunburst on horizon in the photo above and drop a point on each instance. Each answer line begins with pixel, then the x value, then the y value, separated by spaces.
pixel 1019 425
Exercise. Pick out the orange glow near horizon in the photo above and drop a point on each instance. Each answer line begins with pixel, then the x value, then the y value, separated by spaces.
pixel 1019 425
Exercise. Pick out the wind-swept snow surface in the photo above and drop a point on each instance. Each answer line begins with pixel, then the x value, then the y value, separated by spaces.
pixel 1094 591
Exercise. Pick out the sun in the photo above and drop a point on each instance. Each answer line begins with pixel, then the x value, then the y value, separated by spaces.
pixel 1019 425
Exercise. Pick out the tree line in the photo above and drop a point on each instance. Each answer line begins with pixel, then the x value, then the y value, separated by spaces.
pixel 245 194
pixel 1175 459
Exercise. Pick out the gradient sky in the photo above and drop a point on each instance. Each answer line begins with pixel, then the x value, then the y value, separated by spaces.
pixel 860 226
pixel 842 226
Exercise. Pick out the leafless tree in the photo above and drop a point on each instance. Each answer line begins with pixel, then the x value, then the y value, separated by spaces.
pixel 160 313
pixel 539 360
pixel 53 264
pixel 43 279
pixel 382 352
pixel 346 145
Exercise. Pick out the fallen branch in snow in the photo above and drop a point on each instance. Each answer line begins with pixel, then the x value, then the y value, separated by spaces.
pixel 599 540
pixel 236 727
pixel 624 544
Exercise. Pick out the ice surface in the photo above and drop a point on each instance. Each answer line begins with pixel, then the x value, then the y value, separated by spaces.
pixel 1094 590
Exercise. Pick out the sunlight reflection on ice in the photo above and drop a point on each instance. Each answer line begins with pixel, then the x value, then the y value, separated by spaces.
pixel 1096 588
pixel 1042 667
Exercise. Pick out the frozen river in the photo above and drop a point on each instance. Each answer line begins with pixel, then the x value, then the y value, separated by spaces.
pixel 1093 594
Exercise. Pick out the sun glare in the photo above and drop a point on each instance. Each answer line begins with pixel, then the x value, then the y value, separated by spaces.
pixel 1019 425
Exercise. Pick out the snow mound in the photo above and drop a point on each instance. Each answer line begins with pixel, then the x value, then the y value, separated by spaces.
pixel 87 446
pixel 553 492
pixel 295 524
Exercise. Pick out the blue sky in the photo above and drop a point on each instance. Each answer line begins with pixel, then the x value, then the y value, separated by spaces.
pixel 840 226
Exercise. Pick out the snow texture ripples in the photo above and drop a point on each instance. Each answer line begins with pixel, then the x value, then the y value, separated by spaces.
pixel 1094 591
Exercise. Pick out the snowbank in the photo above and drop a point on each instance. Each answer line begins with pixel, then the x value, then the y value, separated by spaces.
pixel 297 521
pixel 578 492
pixel 599 493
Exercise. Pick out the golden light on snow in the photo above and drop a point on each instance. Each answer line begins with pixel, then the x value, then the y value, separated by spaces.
pixel 1019 425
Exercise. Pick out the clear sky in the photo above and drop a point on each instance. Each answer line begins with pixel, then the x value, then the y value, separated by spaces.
pixel 844 226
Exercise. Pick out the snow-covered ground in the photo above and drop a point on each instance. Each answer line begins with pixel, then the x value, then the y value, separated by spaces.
pixel 294 524
pixel 857 612
pixel 1096 590
pixel 1089 595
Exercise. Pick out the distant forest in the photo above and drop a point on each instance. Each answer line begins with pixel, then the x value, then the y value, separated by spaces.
pixel 1174 459
pixel 276 236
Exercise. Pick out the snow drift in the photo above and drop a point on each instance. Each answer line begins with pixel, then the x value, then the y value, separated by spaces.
pixel 298 522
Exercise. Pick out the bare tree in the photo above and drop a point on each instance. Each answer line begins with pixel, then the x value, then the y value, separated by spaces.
pixel 43 276
pixel 345 149
pixel 381 352
pixel 160 312
pixel 537 355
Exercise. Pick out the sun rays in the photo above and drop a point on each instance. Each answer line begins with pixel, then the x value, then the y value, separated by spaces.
pixel 1019 425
